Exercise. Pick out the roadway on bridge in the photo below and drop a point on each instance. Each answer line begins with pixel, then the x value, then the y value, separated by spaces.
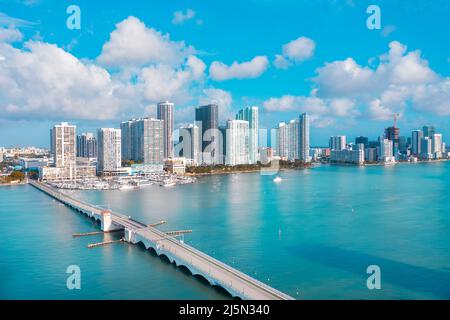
pixel 236 282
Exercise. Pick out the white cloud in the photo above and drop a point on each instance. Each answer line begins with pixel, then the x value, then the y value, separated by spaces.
pixel 10 35
pixel 386 88
pixel 43 81
pixel 179 17
pixel 132 44
pixel 245 70
pixel 220 97
pixel 161 82
pixel 323 112
pixel 295 51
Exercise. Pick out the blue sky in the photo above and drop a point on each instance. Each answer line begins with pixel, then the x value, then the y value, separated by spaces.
pixel 286 57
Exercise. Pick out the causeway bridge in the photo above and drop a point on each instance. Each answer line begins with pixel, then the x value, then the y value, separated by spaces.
pixel 215 272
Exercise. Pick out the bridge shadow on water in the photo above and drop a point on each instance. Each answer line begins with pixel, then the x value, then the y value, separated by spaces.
pixel 435 283
pixel 186 272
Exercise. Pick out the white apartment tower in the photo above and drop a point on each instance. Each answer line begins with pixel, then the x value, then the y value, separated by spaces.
pixel 251 114
pixel 165 113
pixel 63 139
pixel 109 150
pixel 237 142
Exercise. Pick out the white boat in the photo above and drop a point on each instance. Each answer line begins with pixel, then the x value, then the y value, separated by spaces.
pixel 167 184
pixel 126 187
pixel 277 179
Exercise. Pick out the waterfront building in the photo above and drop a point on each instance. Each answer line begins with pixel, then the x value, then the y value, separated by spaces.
pixel 175 165
pixel 251 114
pixel 63 144
pixel 392 134
pixel 147 145
pixel 143 142
pixel 436 145
pixel 293 139
pixel 165 113
pixel 109 151
pixel 125 128
pixel 86 146
pixel 403 144
pixel 338 143
pixel 189 144
pixel 350 156
pixel 282 141
pixel 371 155
pixel 386 153
pixel 222 144
pixel 237 142
pixel 426 148
pixel 428 131
pixel 304 138
pixel 363 140
pixel 416 139
pixel 207 119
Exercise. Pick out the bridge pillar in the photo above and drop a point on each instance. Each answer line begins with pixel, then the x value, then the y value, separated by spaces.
pixel 129 235
pixel 107 223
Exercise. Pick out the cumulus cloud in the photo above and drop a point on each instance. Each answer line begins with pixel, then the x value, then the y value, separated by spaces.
pixel 132 44
pixel 295 51
pixel 179 17
pixel 398 79
pixel 323 112
pixel 161 82
pixel 10 35
pixel 220 97
pixel 42 80
pixel 244 70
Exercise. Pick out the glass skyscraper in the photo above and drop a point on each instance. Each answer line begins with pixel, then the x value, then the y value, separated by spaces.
pixel 207 119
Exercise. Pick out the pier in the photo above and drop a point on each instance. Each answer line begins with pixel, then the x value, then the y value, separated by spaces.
pixel 214 271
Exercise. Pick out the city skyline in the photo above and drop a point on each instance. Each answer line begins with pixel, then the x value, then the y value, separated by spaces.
pixel 291 70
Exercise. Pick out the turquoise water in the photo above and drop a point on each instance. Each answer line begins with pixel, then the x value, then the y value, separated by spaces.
pixel 311 236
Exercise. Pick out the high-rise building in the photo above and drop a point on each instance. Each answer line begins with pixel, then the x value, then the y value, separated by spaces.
pixel 393 133
pixel 283 140
pixel 402 144
pixel 237 142
pixel 189 143
pixel 304 138
pixel 165 113
pixel 143 142
pixel 426 148
pixel 293 139
pixel 223 144
pixel 363 140
pixel 147 143
pixel 86 145
pixel 436 146
pixel 429 131
pixel 63 144
pixel 207 119
pixel 338 143
pixel 386 153
pixel 416 139
pixel 251 114
pixel 125 128
pixel 109 151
